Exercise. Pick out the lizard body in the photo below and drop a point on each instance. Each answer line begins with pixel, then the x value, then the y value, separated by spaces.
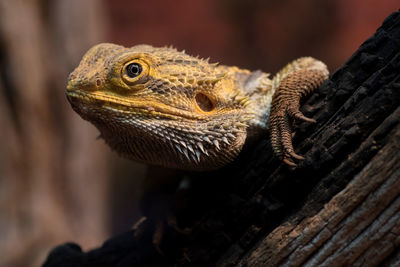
pixel 163 107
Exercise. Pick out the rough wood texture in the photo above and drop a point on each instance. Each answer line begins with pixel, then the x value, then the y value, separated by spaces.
pixel 341 207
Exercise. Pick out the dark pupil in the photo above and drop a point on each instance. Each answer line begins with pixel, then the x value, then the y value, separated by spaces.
pixel 133 70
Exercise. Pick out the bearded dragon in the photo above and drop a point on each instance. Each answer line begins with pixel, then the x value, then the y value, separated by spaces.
pixel 164 107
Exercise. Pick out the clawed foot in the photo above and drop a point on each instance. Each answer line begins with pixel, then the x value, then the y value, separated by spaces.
pixel 284 111
pixel 281 133
pixel 296 80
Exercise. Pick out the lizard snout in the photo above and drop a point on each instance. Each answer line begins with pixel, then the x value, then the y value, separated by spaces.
pixel 84 84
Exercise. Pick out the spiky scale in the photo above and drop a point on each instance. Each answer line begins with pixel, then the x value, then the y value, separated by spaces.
pixel 205 138
pixel 216 143
pixel 190 149
pixel 185 152
pixel 179 149
pixel 198 155
pixel 230 135
pixel 225 140
pixel 183 144
pixel 200 145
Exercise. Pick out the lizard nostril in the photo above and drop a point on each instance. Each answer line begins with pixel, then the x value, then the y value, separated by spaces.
pixel 98 82
pixel 204 102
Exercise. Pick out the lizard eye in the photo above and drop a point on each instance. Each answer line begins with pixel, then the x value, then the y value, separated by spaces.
pixel 133 70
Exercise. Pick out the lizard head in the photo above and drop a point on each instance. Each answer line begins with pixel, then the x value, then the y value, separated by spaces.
pixel 161 106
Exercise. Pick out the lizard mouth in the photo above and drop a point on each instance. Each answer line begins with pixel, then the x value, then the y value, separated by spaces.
pixel 120 105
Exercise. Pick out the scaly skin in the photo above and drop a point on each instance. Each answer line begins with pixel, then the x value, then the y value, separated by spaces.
pixel 163 107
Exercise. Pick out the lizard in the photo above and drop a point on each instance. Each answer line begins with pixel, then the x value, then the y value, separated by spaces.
pixel 161 106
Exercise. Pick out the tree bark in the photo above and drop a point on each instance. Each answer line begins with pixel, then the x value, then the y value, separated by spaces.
pixel 340 207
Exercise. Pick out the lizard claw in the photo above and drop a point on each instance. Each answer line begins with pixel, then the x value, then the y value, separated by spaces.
pixel 289 163
pixel 294 155
pixel 299 116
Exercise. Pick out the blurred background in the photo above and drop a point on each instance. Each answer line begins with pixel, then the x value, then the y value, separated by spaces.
pixel 58 183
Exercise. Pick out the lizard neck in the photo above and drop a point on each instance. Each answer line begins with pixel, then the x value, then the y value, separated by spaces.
pixel 258 87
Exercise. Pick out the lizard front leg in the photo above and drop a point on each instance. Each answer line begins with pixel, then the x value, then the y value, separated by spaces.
pixel 293 82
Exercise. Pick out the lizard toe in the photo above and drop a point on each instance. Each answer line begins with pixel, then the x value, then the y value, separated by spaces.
pixel 298 115
pixel 296 156
pixel 281 139
pixel 289 163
